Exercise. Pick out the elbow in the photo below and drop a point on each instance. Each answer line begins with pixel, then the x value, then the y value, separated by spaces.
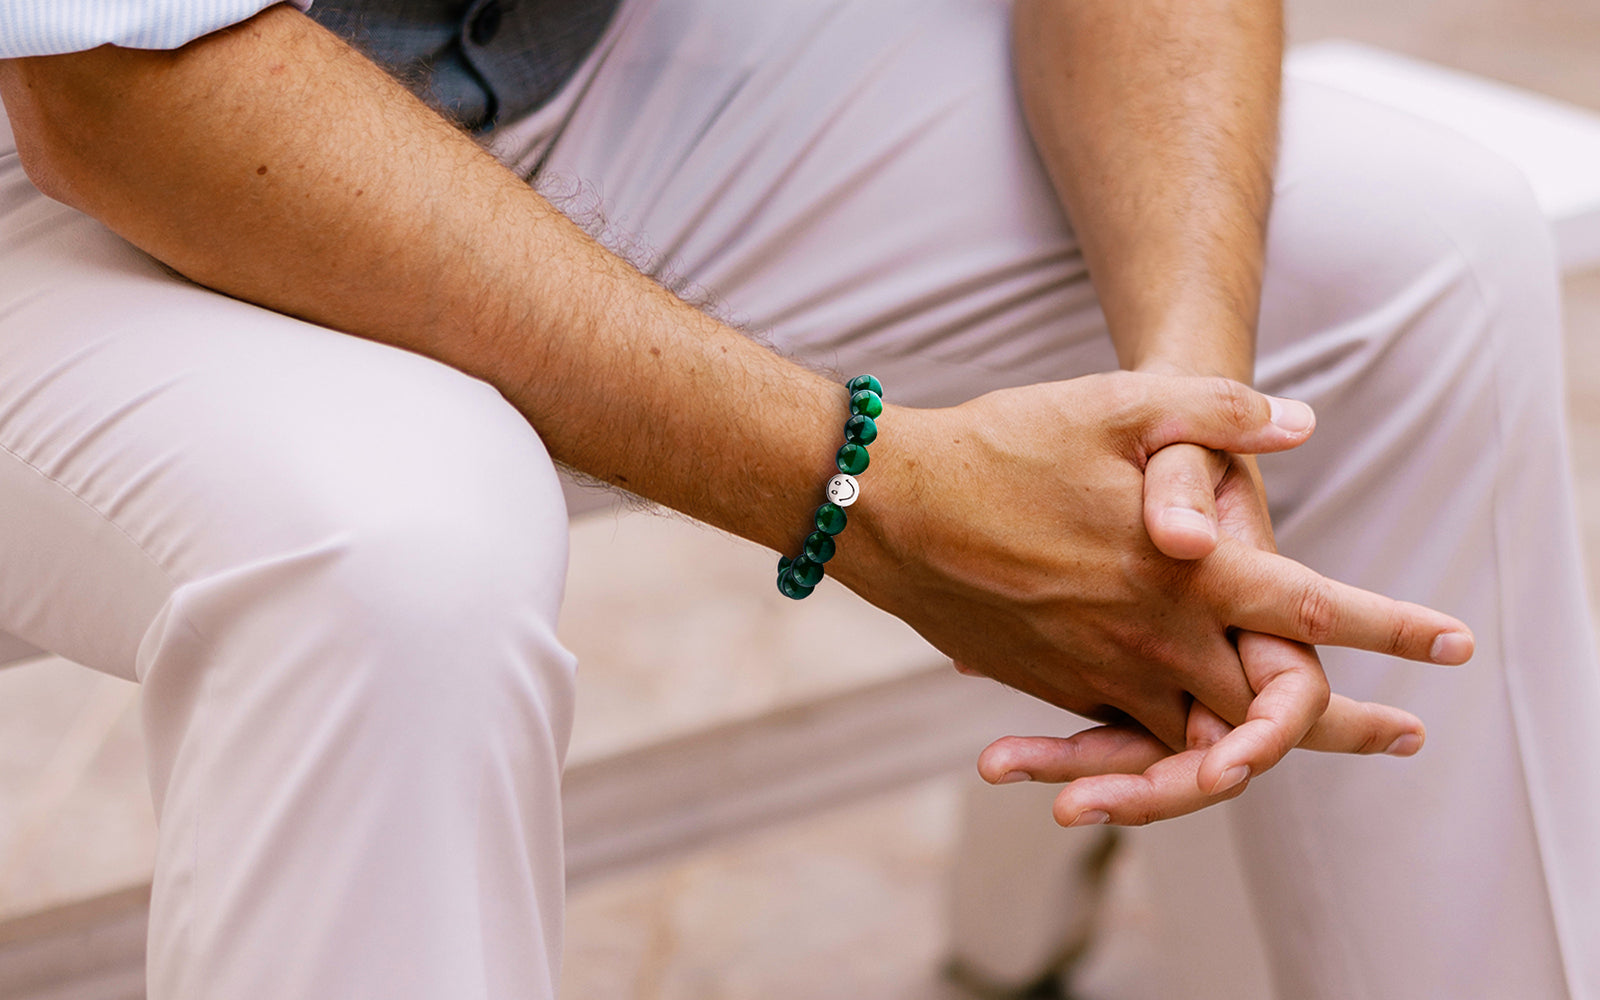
pixel 46 167
pixel 47 126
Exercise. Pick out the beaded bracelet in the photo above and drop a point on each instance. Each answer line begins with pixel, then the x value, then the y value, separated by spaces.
pixel 799 576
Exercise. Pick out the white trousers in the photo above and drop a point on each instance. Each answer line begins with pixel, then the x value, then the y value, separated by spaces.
pixel 336 567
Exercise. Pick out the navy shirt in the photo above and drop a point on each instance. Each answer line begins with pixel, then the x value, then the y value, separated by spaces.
pixel 479 61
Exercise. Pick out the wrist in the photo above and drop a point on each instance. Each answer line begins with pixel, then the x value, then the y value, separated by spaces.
pixel 1196 342
pixel 885 522
pixel 1236 365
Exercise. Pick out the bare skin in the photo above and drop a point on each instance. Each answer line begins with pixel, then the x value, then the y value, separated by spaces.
pixel 218 160
pixel 1157 121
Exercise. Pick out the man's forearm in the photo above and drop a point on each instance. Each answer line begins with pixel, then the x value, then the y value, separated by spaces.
pixel 273 163
pixel 1157 120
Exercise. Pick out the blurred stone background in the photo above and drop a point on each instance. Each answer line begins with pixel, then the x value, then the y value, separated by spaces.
pixel 852 902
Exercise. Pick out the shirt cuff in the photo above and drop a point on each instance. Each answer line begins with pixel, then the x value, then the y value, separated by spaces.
pixel 51 27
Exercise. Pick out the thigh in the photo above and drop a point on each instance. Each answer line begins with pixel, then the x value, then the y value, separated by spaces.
pixel 851 179
pixel 154 433
pixel 856 179
pixel 1412 298
pixel 335 567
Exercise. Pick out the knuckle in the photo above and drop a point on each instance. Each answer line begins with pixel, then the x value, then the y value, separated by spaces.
pixel 1401 635
pixel 1148 646
pixel 1142 814
pixel 1235 401
pixel 1280 749
pixel 1272 747
pixel 1316 612
pixel 1373 741
pixel 1319 693
pixel 1373 737
pixel 1126 399
pixel 1182 471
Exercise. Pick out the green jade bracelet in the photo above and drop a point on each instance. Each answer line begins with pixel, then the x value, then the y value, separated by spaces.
pixel 799 576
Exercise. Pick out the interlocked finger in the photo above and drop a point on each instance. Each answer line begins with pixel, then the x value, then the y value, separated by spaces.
pixel 1165 789
pixel 1365 727
pixel 1117 774
pixel 1291 695
pixel 1052 759
pixel 1265 592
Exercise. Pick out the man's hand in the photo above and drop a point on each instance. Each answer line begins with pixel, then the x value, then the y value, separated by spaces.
pixel 274 164
pixel 1288 676
pixel 1122 774
pixel 1019 549
pixel 1157 122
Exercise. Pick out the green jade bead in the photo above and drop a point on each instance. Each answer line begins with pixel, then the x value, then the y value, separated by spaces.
pixel 865 382
pixel 852 459
pixel 799 576
pixel 861 430
pixel 805 572
pixel 788 586
pixel 831 518
pixel 866 403
pixel 819 548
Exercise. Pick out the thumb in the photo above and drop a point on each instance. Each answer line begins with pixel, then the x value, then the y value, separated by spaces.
pixel 1218 413
pixel 1180 501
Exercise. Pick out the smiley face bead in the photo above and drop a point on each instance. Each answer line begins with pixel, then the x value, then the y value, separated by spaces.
pixel 843 489
pixel 797 577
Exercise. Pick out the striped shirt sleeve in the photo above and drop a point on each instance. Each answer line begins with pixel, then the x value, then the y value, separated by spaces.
pixel 47 27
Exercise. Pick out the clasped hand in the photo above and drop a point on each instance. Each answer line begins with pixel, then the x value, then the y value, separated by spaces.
pixel 1040 547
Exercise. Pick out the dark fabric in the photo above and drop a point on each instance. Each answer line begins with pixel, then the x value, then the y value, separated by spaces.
pixel 480 61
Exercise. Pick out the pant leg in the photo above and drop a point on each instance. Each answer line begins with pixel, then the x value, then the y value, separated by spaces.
pixel 335 567
pixel 855 178
pixel 1412 296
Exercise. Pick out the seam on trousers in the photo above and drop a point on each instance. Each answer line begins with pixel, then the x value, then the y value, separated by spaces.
pixel 199 727
pixel 139 625
pixel 52 480
pixel 1519 726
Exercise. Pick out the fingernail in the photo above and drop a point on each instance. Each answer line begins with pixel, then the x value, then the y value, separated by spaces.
pixel 1451 648
pixel 1189 520
pixel 1012 777
pixel 1291 414
pixel 1405 745
pixel 1231 777
pixel 1093 817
